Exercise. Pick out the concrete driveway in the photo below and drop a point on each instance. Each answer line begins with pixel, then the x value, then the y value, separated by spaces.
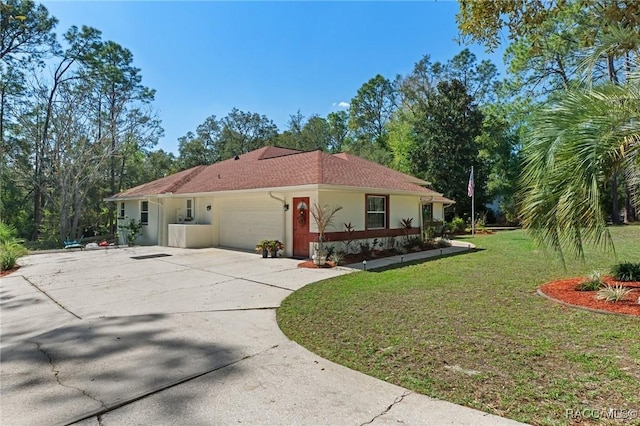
pixel 102 338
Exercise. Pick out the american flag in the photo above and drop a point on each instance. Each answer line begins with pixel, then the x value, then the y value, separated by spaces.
pixel 470 186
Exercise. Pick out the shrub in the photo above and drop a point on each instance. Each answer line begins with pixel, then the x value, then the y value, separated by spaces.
pixel 11 248
pixel 626 271
pixel 388 243
pixel 442 242
pixel 131 231
pixel 413 242
pixel 365 248
pixel 10 252
pixel 337 257
pixel 593 282
pixel 349 229
pixel 612 293
pixel 458 225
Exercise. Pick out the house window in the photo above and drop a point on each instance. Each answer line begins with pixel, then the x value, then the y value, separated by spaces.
pixel 189 209
pixel 144 212
pixel 376 211
pixel 122 210
pixel 427 213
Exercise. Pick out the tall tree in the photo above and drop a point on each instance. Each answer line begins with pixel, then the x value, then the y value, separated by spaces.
pixel 446 148
pixel 370 111
pixel 338 131
pixel 26 31
pixel 202 148
pixel 26 35
pixel 121 100
pixel 245 131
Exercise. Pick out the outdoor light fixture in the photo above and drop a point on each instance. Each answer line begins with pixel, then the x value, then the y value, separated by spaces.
pixel 286 207
pixel 209 207
pixel 364 264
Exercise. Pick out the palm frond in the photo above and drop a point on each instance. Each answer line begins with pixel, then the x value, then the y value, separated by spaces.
pixel 573 148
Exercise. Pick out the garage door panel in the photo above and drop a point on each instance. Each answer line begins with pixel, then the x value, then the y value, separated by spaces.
pixel 244 222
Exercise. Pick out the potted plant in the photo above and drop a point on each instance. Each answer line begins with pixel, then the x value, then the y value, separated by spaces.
pixel 323 217
pixel 264 246
pixel 275 246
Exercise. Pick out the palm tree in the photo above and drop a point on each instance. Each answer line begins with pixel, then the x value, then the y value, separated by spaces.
pixel 574 147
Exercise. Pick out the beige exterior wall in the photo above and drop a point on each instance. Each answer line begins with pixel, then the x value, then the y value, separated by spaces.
pixel 242 220
pixel 352 209
pixel 403 207
pixel 149 232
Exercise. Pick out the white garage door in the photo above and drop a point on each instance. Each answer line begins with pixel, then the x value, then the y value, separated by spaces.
pixel 245 222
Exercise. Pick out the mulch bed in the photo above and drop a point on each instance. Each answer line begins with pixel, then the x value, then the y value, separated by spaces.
pixel 311 265
pixel 565 291
pixel 8 271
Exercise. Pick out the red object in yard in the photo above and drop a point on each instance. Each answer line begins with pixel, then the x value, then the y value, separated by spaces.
pixel 103 244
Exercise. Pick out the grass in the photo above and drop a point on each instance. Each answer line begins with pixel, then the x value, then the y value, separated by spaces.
pixel 471 329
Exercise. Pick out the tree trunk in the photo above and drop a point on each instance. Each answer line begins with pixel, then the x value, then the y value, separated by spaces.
pixel 615 216
pixel 629 208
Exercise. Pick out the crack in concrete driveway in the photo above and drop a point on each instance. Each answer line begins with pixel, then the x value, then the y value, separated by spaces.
pixel 168 343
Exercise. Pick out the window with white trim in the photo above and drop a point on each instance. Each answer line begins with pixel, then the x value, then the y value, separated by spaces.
pixel 144 212
pixel 121 210
pixel 376 212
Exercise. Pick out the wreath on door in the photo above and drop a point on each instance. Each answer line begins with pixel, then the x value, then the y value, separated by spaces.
pixel 302 212
pixel 302 216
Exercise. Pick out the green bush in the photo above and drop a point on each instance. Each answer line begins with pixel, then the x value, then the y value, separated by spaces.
pixel 11 248
pixel 458 225
pixel 131 231
pixel 594 282
pixel 626 271
pixel 10 252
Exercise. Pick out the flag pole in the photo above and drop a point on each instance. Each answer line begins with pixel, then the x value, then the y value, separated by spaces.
pixel 473 203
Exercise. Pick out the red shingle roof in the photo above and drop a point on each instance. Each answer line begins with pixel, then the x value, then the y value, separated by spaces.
pixel 274 167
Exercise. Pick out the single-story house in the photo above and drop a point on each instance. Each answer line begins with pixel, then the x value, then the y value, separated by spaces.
pixel 267 193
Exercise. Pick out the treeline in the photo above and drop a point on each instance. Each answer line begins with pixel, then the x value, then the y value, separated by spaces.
pixel 77 124
pixel 434 123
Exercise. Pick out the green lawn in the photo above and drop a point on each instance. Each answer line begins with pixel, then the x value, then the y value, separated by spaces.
pixel 470 329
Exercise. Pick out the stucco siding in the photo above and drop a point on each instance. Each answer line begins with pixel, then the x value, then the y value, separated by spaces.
pixel 352 209
pixel 403 207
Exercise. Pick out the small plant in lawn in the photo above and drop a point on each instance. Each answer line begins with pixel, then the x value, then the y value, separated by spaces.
pixel 592 283
pixel 626 271
pixel 611 293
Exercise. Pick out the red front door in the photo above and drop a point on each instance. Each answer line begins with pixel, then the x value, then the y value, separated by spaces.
pixel 301 227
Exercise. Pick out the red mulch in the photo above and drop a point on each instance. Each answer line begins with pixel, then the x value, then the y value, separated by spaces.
pixel 565 291
pixel 8 271
pixel 310 264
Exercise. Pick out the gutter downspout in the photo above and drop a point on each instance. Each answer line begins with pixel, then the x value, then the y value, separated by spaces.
pixel 284 219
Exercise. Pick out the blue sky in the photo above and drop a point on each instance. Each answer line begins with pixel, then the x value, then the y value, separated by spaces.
pixel 273 58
